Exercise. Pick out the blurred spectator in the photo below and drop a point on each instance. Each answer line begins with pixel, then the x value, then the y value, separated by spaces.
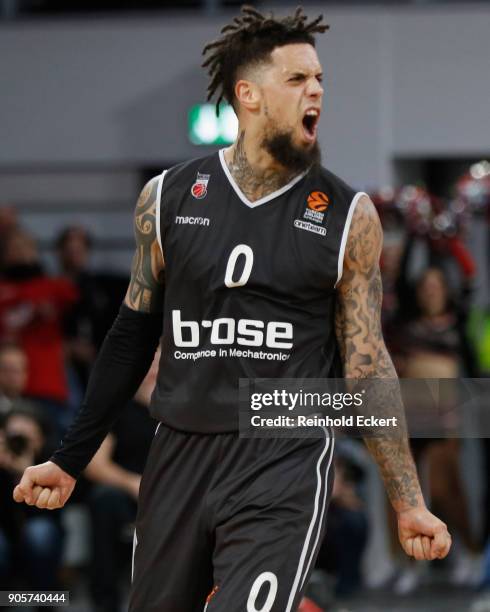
pixel 13 375
pixel 438 330
pixel 435 346
pixel 31 540
pixel 117 469
pixel 100 296
pixel 434 319
pixel 31 310
pixel 425 327
pixel 8 221
pixel 73 246
pixel 390 266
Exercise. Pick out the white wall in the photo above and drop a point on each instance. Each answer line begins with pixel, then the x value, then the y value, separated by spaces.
pixel 442 82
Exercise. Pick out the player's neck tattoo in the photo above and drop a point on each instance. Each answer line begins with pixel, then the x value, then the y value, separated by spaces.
pixel 255 183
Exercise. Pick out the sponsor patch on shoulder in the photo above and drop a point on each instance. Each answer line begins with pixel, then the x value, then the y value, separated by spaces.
pixel 200 188
pixel 316 206
pixel 310 227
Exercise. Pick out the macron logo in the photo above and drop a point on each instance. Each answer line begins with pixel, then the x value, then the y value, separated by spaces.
pixel 192 220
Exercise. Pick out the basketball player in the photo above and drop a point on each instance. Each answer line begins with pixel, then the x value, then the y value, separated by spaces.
pixel 252 254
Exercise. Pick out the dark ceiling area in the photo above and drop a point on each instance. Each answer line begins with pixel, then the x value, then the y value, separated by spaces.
pixel 15 9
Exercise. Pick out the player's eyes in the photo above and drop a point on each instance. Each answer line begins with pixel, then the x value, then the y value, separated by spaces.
pixel 298 78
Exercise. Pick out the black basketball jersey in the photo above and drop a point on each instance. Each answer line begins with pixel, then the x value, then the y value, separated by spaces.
pixel 250 287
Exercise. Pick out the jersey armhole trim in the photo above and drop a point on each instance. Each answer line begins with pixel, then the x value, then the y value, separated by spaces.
pixel 345 234
pixel 157 209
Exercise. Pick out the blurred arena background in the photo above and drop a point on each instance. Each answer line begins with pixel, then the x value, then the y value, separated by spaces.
pixel 97 97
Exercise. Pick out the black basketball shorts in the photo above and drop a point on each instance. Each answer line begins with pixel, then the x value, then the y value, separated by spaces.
pixel 228 524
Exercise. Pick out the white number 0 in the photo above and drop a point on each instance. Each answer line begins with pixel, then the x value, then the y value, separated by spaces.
pixel 254 591
pixel 240 249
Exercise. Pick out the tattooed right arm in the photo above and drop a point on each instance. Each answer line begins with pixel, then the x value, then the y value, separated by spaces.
pixel 145 291
pixel 358 327
pixel 365 356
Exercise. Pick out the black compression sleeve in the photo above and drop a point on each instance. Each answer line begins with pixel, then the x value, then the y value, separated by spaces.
pixel 121 365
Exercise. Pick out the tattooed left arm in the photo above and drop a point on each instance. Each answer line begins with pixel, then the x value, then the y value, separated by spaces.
pixel 146 286
pixel 364 355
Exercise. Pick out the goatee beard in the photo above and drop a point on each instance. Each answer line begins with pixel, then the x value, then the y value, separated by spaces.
pixel 295 159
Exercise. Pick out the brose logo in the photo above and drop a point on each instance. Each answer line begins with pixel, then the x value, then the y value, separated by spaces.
pixel 192 220
pixel 226 331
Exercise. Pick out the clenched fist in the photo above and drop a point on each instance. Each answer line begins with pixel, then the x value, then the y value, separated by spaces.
pixel 44 486
pixel 422 535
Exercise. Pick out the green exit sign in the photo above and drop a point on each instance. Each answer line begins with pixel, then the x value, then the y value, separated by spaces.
pixel 205 128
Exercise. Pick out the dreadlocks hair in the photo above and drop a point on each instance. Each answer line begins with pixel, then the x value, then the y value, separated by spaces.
pixel 248 40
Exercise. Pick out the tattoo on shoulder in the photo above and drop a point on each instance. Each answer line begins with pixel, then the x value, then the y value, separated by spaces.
pixel 145 291
pixel 358 308
pixel 365 236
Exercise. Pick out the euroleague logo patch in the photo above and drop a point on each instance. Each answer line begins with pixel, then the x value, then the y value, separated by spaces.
pixel 317 204
pixel 318 201
pixel 200 188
